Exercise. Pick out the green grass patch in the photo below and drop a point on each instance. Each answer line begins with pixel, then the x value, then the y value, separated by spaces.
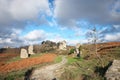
pixel 72 60
pixel 58 59
pixel 18 57
pixel 15 75
pixel 79 69
pixel 14 59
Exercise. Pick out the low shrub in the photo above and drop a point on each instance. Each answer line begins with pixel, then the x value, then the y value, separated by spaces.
pixel 71 51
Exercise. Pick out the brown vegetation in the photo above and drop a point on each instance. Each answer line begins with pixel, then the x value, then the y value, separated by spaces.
pixel 5 57
pixel 10 50
pixel 107 47
pixel 24 63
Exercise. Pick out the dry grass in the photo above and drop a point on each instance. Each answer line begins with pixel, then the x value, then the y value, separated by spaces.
pixel 24 63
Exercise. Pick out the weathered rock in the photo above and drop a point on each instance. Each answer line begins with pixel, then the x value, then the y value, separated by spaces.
pixel 30 49
pixel 113 72
pixel 62 45
pixel 23 53
pixel 77 45
pixel 78 50
pixel 48 42
pixel 45 46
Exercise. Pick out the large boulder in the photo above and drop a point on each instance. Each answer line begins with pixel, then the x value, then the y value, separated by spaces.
pixel 62 45
pixel 30 49
pixel 23 53
pixel 113 72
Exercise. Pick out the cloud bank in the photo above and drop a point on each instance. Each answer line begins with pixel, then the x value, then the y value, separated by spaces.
pixel 95 11
pixel 62 19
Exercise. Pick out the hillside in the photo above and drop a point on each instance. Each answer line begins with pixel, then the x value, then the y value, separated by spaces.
pixel 88 67
pixel 109 47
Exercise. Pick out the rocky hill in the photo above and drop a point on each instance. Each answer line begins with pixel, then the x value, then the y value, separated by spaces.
pixel 45 46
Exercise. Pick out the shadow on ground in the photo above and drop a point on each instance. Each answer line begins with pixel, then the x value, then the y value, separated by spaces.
pixel 101 70
pixel 28 73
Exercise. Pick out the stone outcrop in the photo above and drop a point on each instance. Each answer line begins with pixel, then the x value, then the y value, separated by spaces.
pixel 49 46
pixel 77 45
pixel 78 50
pixel 30 49
pixel 45 46
pixel 23 53
pixel 62 45
pixel 113 72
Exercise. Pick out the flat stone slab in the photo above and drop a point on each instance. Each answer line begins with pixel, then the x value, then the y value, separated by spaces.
pixel 113 72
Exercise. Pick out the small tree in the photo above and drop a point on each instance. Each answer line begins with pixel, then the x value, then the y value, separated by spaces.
pixel 93 38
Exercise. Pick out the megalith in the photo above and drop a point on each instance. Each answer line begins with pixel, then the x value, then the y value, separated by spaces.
pixel 23 53
pixel 30 49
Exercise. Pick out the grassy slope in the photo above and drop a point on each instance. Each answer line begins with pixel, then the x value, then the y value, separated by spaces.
pixel 90 69
pixel 75 69
pixel 58 59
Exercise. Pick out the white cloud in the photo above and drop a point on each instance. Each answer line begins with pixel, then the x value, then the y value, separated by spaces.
pixel 73 42
pixel 28 9
pixel 113 37
pixel 22 9
pixel 55 37
pixel 116 26
pixel 59 38
pixel 7 40
pixel 96 11
pixel 35 35
pixel 15 13
pixel 115 10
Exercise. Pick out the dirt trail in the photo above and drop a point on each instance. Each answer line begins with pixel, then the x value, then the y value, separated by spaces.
pixel 48 72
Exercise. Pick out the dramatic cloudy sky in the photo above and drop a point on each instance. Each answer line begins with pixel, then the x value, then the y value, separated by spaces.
pixel 24 22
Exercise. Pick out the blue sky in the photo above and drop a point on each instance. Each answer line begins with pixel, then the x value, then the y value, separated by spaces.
pixel 24 22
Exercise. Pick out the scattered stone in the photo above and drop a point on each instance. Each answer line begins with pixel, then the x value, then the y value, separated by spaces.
pixel 62 45
pixel 23 53
pixel 113 72
pixel 30 49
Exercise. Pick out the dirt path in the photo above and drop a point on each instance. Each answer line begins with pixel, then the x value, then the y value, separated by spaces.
pixel 48 72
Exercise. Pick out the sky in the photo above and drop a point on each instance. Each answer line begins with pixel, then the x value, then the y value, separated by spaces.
pixel 27 22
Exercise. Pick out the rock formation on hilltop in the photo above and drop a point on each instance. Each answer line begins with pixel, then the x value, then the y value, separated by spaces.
pixel 45 46
pixel 62 45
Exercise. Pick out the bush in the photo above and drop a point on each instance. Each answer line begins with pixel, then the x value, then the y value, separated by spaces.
pixel 71 51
